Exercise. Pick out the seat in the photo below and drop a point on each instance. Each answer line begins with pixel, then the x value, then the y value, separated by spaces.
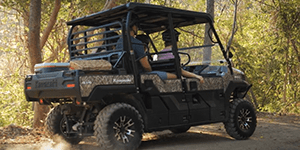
pixel 163 65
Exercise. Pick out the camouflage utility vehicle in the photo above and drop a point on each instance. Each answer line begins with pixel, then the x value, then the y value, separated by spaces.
pixel 101 92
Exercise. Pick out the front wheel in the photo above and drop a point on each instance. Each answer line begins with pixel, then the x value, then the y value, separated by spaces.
pixel 119 127
pixel 241 123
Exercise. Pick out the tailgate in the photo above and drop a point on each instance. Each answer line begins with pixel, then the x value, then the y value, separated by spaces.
pixel 60 84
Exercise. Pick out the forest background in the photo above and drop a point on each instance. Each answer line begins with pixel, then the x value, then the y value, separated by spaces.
pixel 265 46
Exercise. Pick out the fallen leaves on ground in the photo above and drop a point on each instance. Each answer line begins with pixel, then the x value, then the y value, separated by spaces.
pixel 14 134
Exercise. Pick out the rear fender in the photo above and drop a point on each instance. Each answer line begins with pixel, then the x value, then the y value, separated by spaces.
pixel 99 92
pixel 135 100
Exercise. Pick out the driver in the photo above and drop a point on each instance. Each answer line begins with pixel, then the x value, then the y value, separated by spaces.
pixel 143 64
pixel 166 36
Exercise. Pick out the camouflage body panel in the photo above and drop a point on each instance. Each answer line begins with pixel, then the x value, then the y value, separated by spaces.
pixel 92 65
pixel 189 80
pixel 163 86
pixel 227 78
pixel 237 75
pixel 210 83
pixel 89 82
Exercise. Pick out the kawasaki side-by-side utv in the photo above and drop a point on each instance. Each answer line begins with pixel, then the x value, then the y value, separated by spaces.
pixel 101 91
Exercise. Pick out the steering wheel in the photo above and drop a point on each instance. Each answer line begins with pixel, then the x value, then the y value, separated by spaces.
pixel 189 58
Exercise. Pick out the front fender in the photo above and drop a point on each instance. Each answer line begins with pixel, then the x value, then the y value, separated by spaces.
pixel 237 89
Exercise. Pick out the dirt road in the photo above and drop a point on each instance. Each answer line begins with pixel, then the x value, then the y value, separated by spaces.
pixel 272 133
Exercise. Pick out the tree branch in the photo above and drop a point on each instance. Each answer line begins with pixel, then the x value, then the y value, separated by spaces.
pixel 296 49
pixel 222 10
pixel 234 28
pixel 109 4
pixel 189 32
pixel 51 23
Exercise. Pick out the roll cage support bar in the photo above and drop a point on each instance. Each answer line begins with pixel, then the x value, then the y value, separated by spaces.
pixel 130 50
pixel 174 46
pixel 225 53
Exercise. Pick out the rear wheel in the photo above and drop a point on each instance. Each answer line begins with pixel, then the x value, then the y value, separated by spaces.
pixel 241 123
pixel 56 123
pixel 119 127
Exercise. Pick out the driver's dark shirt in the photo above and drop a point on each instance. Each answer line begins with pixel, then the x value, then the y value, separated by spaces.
pixel 139 52
pixel 137 47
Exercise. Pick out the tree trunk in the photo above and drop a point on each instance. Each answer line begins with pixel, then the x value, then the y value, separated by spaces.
pixel 36 44
pixel 35 55
pixel 207 41
pixel 34 33
pixel 285 80
pixel 40 113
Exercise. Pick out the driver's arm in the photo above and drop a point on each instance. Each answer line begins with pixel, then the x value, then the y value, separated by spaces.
pixel 145 64
pixel 192 75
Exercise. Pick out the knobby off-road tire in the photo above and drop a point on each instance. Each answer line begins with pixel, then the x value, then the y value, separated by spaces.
pixel 241 123
pixel 180 129
pixel 119 126
pixel 56 125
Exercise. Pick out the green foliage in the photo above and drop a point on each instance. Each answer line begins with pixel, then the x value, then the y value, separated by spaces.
pixel 13 67
pixel 264 49
pixel 14 107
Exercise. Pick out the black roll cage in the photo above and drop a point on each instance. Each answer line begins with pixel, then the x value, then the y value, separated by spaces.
pixel 152 18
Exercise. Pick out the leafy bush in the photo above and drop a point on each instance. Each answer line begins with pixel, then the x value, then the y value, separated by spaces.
pixel 14 108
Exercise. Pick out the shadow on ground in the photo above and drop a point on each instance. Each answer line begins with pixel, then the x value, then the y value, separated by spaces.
pixel 176 140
